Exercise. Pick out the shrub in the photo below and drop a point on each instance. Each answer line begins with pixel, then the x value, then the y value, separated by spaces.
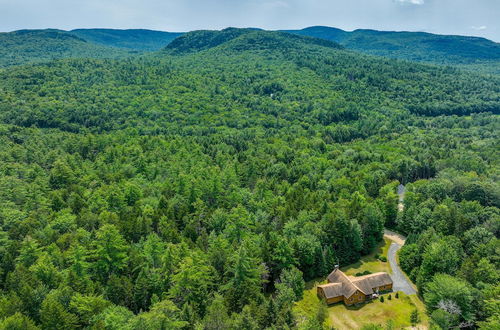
pixel 381 298
pixel 389 298
pixel 366 272
pixel 322 312
pixel 397 295
pixel 383 259
pixel 414 317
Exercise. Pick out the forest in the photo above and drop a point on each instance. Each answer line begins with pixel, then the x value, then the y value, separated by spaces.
pixel 470 53
pixel 200 186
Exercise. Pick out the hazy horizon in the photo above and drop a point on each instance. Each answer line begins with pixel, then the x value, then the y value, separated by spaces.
pixel 446 17
pixel 242 27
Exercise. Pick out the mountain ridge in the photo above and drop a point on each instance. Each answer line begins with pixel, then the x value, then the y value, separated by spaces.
pixel 134 39
pixel 470 53
pixel 240 39
pixel 244 76
pixel 413 46
pixel 34 46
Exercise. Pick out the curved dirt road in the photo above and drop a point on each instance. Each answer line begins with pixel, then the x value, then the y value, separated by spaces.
pixel 400 282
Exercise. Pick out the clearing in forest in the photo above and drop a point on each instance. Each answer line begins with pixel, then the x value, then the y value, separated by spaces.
pixel 395 310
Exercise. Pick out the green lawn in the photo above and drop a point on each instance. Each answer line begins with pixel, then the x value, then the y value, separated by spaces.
pixel 343 317
pixel 369 262
pixel 397 310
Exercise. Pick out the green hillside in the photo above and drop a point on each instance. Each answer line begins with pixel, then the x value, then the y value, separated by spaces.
pixel 244 40
pixel 200 186
pixel 135 39
pixel 271 75
pixel 31 46
pixel 204 39
pixel 472 52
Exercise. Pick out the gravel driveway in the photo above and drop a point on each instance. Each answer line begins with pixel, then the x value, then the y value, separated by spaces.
pixel 400 282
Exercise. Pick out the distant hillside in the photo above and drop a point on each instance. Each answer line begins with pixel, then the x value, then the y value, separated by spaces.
pixel 241 40
pixel 139 39
pixel 239 78
pixel 414 46
pixel 30 46
pixel 27 46
pixel 203 39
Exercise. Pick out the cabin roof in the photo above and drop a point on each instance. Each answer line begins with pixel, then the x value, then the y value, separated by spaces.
pixel 348 288
pixel 368 282
pixel 342 285
pixel 332 289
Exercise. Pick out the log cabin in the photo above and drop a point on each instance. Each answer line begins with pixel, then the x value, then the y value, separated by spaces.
pixel 353 290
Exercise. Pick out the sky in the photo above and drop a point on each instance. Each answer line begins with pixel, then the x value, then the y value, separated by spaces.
pixel 462 17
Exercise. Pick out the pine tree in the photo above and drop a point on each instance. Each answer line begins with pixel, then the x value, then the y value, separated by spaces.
pixel 217 315
pixel 54 316
pixel 193 282
pixel 110 251
pixel 245 281
pixel 18 321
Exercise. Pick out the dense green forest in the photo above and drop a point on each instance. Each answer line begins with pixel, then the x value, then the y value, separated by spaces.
pixel 136 39
pixel 469 53
pixel 200 186
pixel 31 46
pixel 472 53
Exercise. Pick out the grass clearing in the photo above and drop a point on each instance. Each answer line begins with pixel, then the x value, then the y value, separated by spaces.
pixel 397 310
pixel 369 262
pixel 354 317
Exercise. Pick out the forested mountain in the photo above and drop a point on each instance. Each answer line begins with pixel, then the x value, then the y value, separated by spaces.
pixel 274 79
pixel 29 46
pixel 242 40
pixel 462 51
pixel 199 186
pixel 473 53
pixel 135 39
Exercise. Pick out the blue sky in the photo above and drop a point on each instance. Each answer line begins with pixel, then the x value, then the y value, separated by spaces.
pixel 464 17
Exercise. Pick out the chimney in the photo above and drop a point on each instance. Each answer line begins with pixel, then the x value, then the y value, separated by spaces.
pixel 336 267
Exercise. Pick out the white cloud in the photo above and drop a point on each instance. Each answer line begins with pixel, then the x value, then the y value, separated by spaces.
pixel 413 2
pixel 276 4
pixel 479 28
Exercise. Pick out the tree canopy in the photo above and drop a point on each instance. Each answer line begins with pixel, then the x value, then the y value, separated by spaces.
pixel 200 186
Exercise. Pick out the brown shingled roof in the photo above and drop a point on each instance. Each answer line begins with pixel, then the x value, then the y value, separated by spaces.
pixel 332 290
pixel 343 285
pixel 368 282
pixel 337 276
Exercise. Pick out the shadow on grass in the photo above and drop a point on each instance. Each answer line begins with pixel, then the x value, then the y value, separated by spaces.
pixel 312 283
pixel 355 307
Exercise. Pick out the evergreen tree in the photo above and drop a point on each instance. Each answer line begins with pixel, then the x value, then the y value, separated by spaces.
pixel 53 315
pixel 110 252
